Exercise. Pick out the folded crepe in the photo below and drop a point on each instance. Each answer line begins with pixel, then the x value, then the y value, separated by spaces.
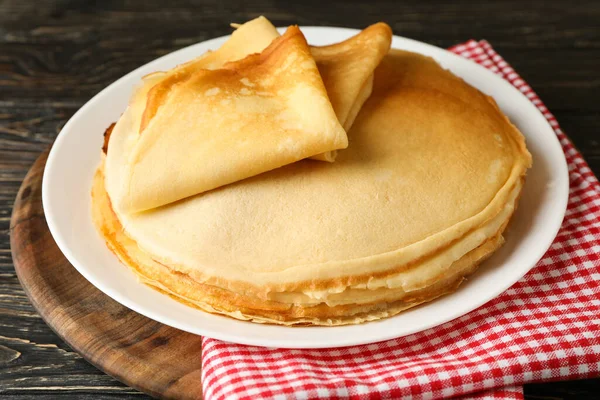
pixel 347 72
pixel 346 68
pixel 219 126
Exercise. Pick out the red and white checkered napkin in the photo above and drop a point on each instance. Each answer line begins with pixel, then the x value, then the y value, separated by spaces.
pixel 545 327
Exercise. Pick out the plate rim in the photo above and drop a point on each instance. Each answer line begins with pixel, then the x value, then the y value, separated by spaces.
pixel 54 225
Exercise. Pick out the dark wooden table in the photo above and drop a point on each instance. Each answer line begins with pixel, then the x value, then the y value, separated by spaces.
pixel 56 55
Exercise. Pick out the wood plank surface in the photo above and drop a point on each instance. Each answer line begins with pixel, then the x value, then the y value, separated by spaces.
pixel 56 54
pixel 157 359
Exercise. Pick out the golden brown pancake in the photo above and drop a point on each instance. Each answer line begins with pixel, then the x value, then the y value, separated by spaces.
pixel 180 286
pixel 347 70
pixel 421 196
pixel 220 126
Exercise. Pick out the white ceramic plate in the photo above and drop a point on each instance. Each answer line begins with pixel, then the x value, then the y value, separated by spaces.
pixel 76 154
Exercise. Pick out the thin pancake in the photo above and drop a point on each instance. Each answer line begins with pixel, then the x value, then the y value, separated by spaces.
pixel 372 304
pixel 269 109
pixel 347 70
pixel 428 165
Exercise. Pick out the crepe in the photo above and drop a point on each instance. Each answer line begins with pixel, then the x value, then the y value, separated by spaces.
pixel 421 196
pixel 347 70
pixel 376 304
pixel 220 126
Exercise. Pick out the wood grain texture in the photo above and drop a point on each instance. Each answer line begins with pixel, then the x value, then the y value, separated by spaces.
pixel 142 353
pixel 56 54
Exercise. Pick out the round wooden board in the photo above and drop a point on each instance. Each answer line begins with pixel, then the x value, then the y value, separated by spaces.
pixel 154 358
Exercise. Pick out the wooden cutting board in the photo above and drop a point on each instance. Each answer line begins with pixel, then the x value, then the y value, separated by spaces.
pixel 154 358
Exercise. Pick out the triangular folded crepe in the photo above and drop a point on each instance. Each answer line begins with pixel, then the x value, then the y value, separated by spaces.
pixel 346 69
pixel 220 126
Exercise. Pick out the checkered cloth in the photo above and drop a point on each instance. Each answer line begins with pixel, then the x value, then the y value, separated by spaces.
pixel 545 327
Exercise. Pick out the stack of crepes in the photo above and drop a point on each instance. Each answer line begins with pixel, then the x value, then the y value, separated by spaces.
pixel 276 182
